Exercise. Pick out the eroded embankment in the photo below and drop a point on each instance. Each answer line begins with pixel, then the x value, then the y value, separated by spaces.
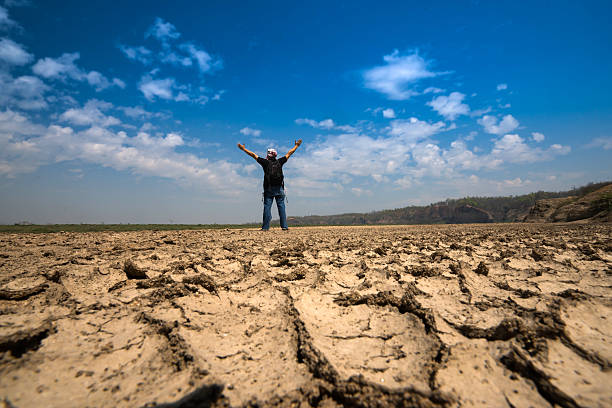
pixel 423 316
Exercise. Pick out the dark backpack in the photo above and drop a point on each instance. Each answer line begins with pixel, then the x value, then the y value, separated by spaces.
pixel 275 173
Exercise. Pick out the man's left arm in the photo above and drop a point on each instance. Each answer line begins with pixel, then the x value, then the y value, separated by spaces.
pixel 293 149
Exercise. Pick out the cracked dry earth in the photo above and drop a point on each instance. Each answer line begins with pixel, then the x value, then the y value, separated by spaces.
pixel 510 315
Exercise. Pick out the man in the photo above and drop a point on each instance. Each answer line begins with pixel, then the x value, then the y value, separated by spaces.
pixel 274 187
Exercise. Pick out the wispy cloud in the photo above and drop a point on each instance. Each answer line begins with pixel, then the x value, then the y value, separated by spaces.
pixel 206 63
pixel 502 87
pixel 157 88
pixel 64 67
pixel 247 131
pixel 139 53
pixel 601 142
pixel 177 54
pixel 433 89
pixel 394 78
pixel 5 20
pixel 13 54
pixel 327 124
pixel 162 30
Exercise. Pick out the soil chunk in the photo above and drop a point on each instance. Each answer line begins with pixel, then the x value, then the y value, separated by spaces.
pixel 132 271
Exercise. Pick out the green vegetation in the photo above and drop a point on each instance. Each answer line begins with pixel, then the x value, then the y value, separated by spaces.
pixel 21 229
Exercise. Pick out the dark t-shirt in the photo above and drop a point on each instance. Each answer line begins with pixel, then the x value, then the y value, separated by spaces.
pixel 264 163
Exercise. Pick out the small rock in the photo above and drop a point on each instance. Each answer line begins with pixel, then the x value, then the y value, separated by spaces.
pixel 537 256
pixel 482 269
pixel 132 271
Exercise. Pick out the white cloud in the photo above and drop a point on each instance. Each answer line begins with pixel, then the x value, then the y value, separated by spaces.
pixel 142 154
pixel 480 112
pixel 139 53
pixel 217 96
pixel 15 123
pixel 25 92
pixel 5 21
pixel 185 54
pixel 13 54
pixel 491 125
pixel 459 156
pixel 450 106
pixel 206 63
pixel 309 122
pixel 327 124
pixel 17 3
pixel 433 89
pixel 170 57
pixel 157 88
pixel 379 159
pixel 162 30
pixel 511 148
pixel 358 191
pixel 411 130
pixel 247 131
pixel 119 83
pixel 135 112
pixel 64 67
pixel 388 113
pixel 90 114
pixel 393 78
pixel 182 97
pixel 537 137
pixel 601 142
pixel 59 67
pixel 517 182
pixel 100 82
pixel 14 145
pixel 501 87
pixel 346 128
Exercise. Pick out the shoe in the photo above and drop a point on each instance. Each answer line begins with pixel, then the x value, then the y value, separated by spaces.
pixel 264 229
pixel 285 229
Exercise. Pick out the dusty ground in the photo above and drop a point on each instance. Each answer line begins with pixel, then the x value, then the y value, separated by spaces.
pixel 480 315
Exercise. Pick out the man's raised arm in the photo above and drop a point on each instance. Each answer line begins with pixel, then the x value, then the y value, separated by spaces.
pixel 250 153
pixel 294 148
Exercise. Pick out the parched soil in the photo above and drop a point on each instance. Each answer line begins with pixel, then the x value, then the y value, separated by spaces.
pixel 506 315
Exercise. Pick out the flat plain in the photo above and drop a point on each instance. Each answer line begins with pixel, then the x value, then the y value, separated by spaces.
pixel 489 315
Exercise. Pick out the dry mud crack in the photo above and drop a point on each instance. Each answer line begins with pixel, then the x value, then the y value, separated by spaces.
pixel 508 315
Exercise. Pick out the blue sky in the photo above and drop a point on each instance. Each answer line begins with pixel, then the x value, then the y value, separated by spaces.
pixel 131 113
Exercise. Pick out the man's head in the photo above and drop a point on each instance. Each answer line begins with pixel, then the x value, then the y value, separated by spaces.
pixel 271 154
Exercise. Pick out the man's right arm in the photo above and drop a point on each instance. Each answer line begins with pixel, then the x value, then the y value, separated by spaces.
pixel 250 153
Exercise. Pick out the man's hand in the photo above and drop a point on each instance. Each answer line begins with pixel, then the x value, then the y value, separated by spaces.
pixel 294 148
pixel 244 149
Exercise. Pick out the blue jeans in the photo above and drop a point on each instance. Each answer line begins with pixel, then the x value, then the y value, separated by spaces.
pixel 269 196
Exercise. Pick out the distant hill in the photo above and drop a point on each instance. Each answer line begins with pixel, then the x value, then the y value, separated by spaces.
pixel 587 201
pixel 594 206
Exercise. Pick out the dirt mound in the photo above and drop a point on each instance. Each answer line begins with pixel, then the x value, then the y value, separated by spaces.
pixel 499 315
